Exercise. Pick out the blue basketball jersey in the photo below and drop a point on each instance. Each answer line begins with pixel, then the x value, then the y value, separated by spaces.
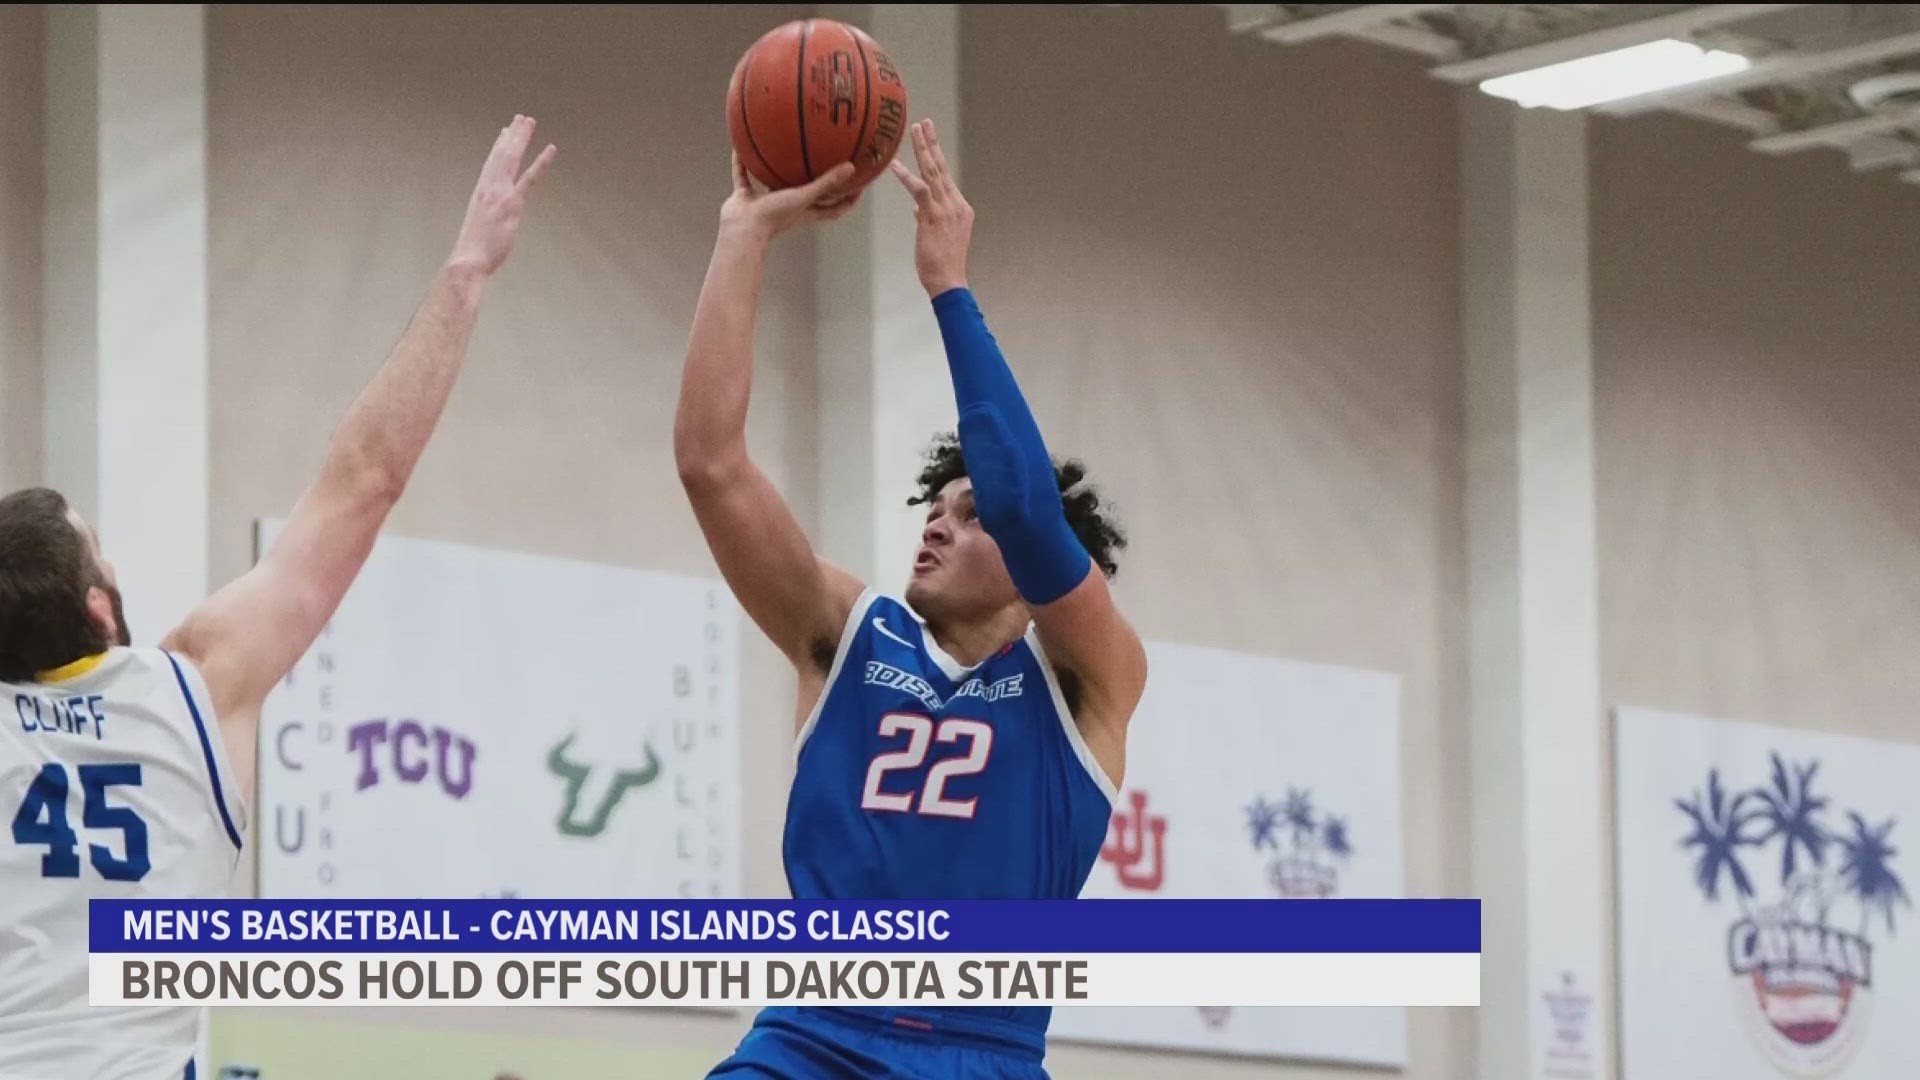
pixel 917 779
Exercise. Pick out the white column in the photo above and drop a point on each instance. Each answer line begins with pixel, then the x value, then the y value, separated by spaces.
pixel 883 376
pixel 126 293
pixel 1539 749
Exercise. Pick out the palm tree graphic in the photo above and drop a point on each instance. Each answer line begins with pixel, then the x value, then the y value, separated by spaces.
pixel 1299 815
pixel 1866 870
pixel 1333 836
pixel 1262 818
pixel 1787 809
pixel 1718 825
pixel 1304 864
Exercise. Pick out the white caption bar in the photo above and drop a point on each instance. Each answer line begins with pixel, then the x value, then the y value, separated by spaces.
pixel 574 979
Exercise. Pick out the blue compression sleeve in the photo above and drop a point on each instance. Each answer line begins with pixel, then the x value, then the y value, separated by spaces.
pixel 1014 489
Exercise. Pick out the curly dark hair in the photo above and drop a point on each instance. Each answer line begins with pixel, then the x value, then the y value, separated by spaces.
pixel 1094 524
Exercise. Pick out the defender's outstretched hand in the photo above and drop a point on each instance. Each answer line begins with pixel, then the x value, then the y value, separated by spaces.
pixel 500 199
pixel 768 214
pixel 945 219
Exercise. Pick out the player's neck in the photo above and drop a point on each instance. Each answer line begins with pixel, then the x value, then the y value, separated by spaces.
pixel 972 641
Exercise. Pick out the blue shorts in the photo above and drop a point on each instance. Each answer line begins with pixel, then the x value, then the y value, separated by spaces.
pixel 845 1044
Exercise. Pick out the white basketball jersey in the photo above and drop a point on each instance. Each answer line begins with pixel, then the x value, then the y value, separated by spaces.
pixel 116 786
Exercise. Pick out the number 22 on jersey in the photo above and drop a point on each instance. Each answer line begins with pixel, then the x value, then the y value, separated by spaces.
pixel 922 732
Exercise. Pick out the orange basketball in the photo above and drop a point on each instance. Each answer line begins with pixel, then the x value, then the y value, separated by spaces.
pixel 810 95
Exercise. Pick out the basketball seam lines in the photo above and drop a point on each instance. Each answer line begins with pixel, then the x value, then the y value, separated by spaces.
pixel 800 98
pixel 746 125
pixel 866 110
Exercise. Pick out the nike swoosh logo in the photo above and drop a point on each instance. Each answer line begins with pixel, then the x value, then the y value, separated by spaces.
pixel 881 625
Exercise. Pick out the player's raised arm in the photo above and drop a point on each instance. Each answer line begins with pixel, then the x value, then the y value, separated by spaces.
pixel 247 636
pixel 1014 488
pixel 797 599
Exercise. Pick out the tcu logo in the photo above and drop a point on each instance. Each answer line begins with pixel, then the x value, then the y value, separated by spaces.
pixel 1127 850
pixel 409 741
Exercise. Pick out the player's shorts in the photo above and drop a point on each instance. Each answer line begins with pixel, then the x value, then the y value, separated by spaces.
pixel 874 1044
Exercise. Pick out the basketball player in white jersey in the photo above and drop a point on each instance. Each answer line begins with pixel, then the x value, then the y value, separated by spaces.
pixel 126 772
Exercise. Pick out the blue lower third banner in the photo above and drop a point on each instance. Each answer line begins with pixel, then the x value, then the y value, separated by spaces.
pixel 892 954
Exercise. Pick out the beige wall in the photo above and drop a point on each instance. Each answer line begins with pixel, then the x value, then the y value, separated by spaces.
pixel 1229 282
pixel 21 182
pixel 1758 432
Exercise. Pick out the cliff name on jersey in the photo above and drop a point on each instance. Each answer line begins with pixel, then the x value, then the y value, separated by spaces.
pixel 67 716
pixel 884 674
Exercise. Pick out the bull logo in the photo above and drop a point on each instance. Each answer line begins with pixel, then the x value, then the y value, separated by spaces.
pixel 612 784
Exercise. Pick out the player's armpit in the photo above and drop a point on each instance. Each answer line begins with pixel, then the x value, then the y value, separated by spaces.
pixel 1084 633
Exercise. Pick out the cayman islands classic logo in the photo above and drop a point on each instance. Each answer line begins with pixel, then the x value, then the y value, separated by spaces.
pixel 1304 849
pixel 1799 953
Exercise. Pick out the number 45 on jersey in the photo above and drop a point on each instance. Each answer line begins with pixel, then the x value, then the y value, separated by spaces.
pixel 42 819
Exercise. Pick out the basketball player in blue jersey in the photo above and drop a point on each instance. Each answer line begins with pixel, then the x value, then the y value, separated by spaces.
pixel 964 741
pixel 125 772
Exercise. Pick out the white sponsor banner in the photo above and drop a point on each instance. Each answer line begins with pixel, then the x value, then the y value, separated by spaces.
pixel 486 723
pixel 749 979
pixel 1766 922
pixel 1253 776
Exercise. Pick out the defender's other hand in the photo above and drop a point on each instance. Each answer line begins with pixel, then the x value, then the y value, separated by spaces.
pixel 944 218
pixel 499 199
